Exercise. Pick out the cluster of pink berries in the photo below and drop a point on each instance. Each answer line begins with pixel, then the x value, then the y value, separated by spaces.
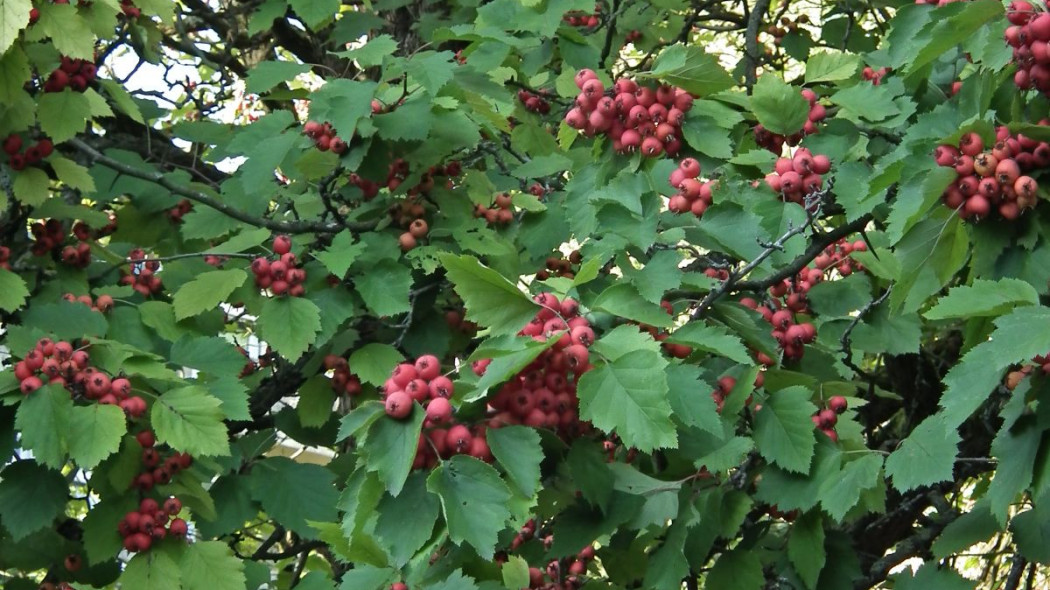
pixel 142 274
pixel 826 419
pixel 155 469
pixel 75 74
pixel 103 303
pixel 18 160
pixel 874 76
pixel 409 215
pixel 343 381
pixel 726 385
pixel 560 267
pixel 499 213
pixel 152 522
pixel 798 176
pixel 635 117
pixel 790 336
pixel 281 276
pixel 561 574
pixel 324 137
pixel 987 179
pixel 774 142
pixel 1029 36
pixel 48 236
pixel 694 196
pixel 543 394
pixel 180 209
pixel 535 101
pixel 837 256
pixel 579 18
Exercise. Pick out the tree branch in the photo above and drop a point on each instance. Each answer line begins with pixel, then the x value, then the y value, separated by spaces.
pixel 751 50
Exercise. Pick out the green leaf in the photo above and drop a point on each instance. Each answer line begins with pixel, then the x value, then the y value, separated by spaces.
pixel 389 446
pixel 211 564
pixel 456 581
pixel 867 102
pixel 491 300
pixel 831 67
pixel 32 186
pixel 206 292
pixel 622 299
pixel 515 572
pixel 94 433
pixel 268 74
pixel 385 287
pixel 294 493
pixel 14 73
pixel 406 521
pixel 213 355
pixel 31 497
pixel 969 529
pixel 1031 530
pixel 510 355
pixel 155 570
pixel 629 397
pixel 517 448
pixel 473 500
pixel 43 419
pixel 342 103
pixel 622 340
pixel 373 52
pixel 983 298
pixel 315 401
pixel 691 398
pixel 72 173
pixel 289 324
pixel 66 319
pixel 707 136
pixel 101 540
pixel 409 122
pixel 69 31
pixel 341 253
pixel 1015 448
pixel 542 166
pixel 244 240
pixel 779 107
pixel 806 547
pixel 659 275
pixel 315 12
pixel 932 576
pixel 691 68
pixel 13 291
pixel 191 421
pixel 784 430
pixel 432 69
pixel 926 457
pixel 1019 336
pixel 738 569
pixel 122 99
pixel 841 494
pixel 374 362
pixel 14 16
pixel 366 577
pixel 63 114
pixel 713 339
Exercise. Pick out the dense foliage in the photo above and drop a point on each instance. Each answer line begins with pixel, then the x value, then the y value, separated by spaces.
pixel 461 294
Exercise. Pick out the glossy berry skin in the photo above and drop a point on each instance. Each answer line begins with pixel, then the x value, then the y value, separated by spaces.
pixel 398 405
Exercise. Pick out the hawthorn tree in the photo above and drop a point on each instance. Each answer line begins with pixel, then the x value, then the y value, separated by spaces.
pixel 515 294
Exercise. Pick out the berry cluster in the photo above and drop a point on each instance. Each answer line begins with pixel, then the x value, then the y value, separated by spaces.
pixel 726 385
pixel 791 336
pixel 76 74
pixel 694 196
pixel 874 76
pixel 499 213
pixel 5 258
pixel 774 142
pixel 826 419
pixel 543 394
pixel 561 267
pixel 343 381
pixel 155 469
pixel 993 178
pixel 837 255
pixel 151 522
pixel 103 303
pixel 454 319
pixel 18 159
pixel 562 574
pixel 635 117
pixel 633 36
pixel 181 208
pixel 142 274
pixel 324 137
pixel 369 187
pixel 409 215
pixel 798 176
pixel 786 25
pixel 535 102
pixel 281 275
pixel 579 18
pixel 1029 35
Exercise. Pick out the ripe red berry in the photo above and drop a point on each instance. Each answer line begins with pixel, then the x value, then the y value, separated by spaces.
pixel 399 405
pixel 178 528
pixel 282 245
pixel 837 404
pixel 439 410
pixel 428 367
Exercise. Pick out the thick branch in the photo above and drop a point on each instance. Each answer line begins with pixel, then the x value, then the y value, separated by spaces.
pixel 751 49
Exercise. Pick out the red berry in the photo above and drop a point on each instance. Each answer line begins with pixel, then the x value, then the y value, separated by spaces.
pixel 282 245
pixel 399 405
